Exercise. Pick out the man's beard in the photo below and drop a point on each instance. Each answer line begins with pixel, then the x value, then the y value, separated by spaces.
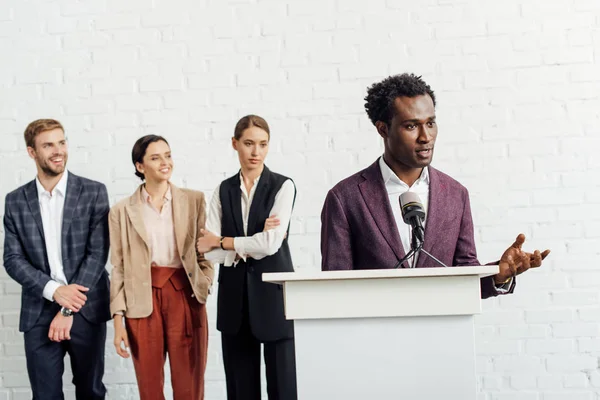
pixel 49 171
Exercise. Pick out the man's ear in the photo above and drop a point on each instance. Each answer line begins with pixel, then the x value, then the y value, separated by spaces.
pixel 31 152
pixel 382 129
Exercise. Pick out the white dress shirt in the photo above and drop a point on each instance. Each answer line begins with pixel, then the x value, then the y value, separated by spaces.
pixel 261 244
pixel 52 205
pixel 395 187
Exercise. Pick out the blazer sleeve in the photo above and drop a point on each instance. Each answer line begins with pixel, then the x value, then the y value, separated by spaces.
pixel 118 302
pixel 16 262
pixel 97 243
pixel 206 266
pixel 336 240
pixel 466 253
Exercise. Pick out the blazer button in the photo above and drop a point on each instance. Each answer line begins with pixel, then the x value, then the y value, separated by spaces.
pixel 190 274
pixel 193 296
pixel 183 257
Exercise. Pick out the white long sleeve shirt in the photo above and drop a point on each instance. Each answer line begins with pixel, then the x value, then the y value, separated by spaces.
pixel 395 187
pixel 261 244
pixel 52 205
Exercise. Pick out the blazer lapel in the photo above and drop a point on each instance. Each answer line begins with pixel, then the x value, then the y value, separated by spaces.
pixel 71 199
pixel 135 214
pixel 33 202
pixel 375 196
pixel 435 217
pixel 181 217
pixel 235 197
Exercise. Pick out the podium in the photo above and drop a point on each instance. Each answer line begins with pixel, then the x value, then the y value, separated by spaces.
pixel 384 334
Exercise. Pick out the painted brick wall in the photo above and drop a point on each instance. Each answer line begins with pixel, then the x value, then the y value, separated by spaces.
pixel 518 85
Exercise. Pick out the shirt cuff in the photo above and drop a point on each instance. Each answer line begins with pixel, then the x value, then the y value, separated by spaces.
pixel 229 259
pixel 49 290
pixel 240 247
pixel 118 313
pixel 505 287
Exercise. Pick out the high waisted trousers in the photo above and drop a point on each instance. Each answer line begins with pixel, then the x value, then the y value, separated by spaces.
pixel 178 327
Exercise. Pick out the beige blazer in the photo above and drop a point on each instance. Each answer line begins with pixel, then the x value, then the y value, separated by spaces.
pixel 130 281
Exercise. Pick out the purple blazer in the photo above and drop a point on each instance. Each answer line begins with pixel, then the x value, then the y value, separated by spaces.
pixel 358 230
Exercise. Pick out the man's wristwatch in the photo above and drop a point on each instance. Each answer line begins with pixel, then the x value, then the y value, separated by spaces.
pixel 66 312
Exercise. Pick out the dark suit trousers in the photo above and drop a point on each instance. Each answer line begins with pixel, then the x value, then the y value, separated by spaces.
pixel 241 359
pixel 45 358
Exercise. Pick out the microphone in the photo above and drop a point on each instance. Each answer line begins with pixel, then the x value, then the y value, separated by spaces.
pixel 413 214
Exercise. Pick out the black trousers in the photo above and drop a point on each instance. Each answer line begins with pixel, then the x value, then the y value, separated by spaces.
pixel 241 359
pixel 45 358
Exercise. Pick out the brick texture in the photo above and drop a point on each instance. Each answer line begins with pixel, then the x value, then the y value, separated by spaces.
pixel 518 110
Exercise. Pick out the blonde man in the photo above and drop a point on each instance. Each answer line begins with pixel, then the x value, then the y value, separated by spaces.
pixel 56 247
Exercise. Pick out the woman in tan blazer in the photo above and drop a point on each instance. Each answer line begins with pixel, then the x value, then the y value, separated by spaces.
pixel 159 283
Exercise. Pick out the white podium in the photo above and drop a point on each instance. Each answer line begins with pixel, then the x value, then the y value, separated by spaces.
pixel 384 334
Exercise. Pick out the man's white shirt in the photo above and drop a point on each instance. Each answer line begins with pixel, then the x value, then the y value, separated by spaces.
pixel 51 209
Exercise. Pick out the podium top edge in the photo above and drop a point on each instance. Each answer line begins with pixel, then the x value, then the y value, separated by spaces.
pixel 317 275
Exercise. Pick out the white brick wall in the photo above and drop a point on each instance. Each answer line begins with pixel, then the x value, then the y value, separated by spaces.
pixel 518 84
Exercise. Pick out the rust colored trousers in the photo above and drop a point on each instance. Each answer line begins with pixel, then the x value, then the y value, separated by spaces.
pixel 178 327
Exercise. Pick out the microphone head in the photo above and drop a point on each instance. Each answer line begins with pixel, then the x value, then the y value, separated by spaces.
pixel 411 207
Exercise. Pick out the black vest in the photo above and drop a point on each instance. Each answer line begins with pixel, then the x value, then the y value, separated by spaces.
pixel 265 311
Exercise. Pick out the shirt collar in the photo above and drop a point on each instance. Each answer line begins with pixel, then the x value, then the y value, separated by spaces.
pixel 146 198
pixel 60 188
pixel 390 176
pixel 242 179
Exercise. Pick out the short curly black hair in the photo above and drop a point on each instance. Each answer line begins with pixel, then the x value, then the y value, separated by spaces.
pixel 381 95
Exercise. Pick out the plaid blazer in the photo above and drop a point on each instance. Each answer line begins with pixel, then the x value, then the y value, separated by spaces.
pixel 84 244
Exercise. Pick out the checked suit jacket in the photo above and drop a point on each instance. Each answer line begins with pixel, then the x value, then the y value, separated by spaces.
pixel 84 245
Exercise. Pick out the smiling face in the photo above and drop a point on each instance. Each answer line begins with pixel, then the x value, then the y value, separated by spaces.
pixel 157 164
pixel 410 138
pixel 50 152
pixel 252 148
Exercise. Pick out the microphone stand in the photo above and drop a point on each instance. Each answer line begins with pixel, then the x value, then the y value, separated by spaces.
pixel 415 250
pixel 421 249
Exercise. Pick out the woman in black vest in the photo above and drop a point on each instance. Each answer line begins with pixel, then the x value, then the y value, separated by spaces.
pixel 241 236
